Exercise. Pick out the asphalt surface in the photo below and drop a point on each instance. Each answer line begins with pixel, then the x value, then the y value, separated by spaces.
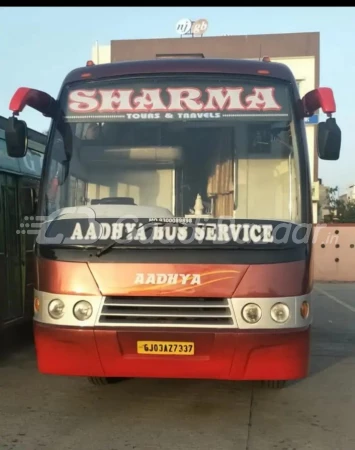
pixel 57 413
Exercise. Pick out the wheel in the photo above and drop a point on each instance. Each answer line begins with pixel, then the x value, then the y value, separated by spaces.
pixel 103 381
pixel 98 381
pixel 274 384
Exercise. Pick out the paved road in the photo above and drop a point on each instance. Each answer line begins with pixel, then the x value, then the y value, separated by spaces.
pixel 43 412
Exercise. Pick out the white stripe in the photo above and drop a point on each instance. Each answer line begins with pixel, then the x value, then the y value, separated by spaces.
pixel 123 116
pixel 336 299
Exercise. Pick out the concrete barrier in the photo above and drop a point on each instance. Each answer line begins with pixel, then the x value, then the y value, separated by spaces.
pixel 334 252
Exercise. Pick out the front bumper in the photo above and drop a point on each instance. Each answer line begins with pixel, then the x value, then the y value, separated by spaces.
pixel 219 354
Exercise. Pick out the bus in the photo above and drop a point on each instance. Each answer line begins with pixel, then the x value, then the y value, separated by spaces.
pixel 176 239
pixel 19 185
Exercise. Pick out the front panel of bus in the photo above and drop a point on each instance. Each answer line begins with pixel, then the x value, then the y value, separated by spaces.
pixel 178 230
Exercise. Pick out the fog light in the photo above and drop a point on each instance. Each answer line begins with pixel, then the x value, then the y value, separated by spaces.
pixel 280 312
pixel 56 308
pixel 82 310
pixel 251 313
pixel 305 310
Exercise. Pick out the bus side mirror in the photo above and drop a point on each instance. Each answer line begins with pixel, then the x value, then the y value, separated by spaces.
pixel 329 134
pixel 329 140
pixel 16 130
pixel 16 138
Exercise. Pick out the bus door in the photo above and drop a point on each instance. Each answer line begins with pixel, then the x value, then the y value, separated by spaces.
pixel 27 194
pixel 11 295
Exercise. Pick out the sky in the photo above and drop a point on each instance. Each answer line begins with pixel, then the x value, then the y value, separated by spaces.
pixel 40 45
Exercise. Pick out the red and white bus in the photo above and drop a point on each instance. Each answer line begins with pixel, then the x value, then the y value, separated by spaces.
pixel 177 220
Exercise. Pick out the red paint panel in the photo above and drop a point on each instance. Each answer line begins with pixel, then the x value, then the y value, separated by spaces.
pixel 19 99
pixel 62 277
pixel 229 355
pixel 216 280
pixel 275 280
pixel 272 356
pixel 66 351
pixel 34 98
pixel 212 359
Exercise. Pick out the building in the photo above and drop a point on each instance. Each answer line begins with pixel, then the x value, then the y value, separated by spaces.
pixel 324 209
pixel 351 192
pixel 349 195
pixel 299 51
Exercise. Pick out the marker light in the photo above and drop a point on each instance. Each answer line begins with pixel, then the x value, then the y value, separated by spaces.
pixel 82 310
pixel 36 304
pixel 304 310
pixel 251 313
pixel 56 308
pixel 280 312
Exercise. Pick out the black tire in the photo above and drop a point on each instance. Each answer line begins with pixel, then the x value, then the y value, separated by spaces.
pixel 274 384
pixel 98 381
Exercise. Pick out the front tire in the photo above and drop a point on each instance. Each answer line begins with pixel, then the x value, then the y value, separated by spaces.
pixel 98 381
pixel 274 384
pixel 103 381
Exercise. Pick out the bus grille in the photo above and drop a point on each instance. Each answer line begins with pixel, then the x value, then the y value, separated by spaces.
pixel 167 312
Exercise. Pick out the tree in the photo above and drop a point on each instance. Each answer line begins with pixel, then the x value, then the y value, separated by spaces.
pixel 340 210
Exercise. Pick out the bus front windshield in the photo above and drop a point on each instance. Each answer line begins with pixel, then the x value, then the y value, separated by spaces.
pixel 187 146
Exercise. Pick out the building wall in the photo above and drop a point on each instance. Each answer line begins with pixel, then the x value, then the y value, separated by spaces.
pixel 349 195
pixel 101 54
pixel 304 70
pixel 255 46
pixel 351 192
pixel 334 252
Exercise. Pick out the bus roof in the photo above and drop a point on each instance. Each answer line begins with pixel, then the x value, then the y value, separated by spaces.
pixel 180 65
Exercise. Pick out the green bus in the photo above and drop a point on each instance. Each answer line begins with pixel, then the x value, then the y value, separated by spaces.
pixel 19 184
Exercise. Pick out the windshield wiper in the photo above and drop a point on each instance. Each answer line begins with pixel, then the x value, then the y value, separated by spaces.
pixel 155 222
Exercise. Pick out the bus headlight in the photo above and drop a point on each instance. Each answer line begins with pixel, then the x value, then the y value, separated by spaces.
pixel 280 312
pixel 56 308
pixel 251 313
pixel 82 310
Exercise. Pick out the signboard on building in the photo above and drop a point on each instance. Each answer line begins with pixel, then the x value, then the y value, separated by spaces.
pixel 315 191
pixel 187 27
pixel 183 26
pixel 312 120
pixel 199 27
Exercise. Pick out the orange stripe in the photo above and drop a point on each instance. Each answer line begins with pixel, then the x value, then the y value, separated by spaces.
pixel 200 285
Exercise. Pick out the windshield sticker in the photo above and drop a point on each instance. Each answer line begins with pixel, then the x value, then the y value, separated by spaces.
pixel 211 232
pixel 100 232
pixel 177 103
pixel 167 278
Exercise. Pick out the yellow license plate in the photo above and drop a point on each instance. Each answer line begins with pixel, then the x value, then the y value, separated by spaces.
pixel 165 348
